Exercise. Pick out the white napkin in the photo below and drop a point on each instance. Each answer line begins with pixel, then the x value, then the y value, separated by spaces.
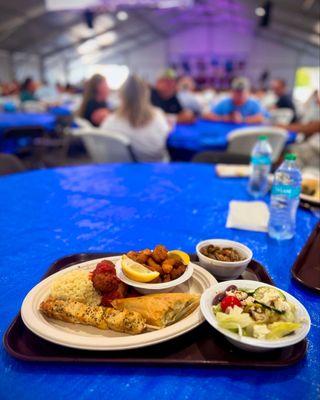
pixel 248 215
pixel 230 171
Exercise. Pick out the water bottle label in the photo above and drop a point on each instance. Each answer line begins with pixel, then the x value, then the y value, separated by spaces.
pixel 261 160
pixel 289 191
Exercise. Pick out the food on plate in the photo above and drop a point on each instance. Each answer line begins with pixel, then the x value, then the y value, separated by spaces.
pixel 106 283
pixel 221 253
pixel 100 317
pixel 168 265
pixel 101 300
pixel 311 187
pixel 137 272
pixel 77 286
pixel 180 254
pixel 162 309
pixel 263 313
pixel 104 278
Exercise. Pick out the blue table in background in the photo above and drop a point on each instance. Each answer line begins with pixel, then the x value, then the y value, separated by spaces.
pixel 187 140
pixel 114 208
pixel 20 119
pixel 63 110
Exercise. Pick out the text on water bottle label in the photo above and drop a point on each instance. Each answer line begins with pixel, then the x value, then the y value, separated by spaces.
pixel 286 190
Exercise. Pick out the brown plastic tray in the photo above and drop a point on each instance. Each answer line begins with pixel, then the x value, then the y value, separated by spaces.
pixel 203 346
pixel 306 269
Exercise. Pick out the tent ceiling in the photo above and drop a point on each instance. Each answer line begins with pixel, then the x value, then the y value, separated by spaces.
pixel 29 27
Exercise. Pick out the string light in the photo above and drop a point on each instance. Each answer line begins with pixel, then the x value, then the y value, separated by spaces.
pixel 122 15
pixel 260 11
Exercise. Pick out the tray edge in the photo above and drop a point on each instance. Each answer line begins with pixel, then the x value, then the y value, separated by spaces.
pixel 301 255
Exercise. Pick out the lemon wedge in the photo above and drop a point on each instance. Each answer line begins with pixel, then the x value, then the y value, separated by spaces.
pixel 184 257
pixel 137 272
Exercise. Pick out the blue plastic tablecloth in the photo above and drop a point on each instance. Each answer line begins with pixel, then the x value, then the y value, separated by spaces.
pixel 51 213
pixel 187 140
pixel 18 119
pixel 62 110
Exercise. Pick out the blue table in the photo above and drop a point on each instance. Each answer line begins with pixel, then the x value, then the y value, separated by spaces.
pixel 187 140
pixel 50 213
pixel 19 119
pixel 62 110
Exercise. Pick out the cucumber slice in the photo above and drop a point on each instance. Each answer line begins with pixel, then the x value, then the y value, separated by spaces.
pixel 269 307
pixel 264 295
pixel 248 291
pixel 264 291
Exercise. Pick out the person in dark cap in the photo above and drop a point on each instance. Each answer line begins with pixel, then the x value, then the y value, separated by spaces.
pixel 239 107
pixel 164 96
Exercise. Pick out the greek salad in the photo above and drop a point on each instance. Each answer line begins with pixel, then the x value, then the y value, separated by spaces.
pixel 262 313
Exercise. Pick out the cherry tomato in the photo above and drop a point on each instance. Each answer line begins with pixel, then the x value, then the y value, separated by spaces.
pixel 229 301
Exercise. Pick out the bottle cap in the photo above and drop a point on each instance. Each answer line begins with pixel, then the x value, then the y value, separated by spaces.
pixel 263 137
pixel 290 157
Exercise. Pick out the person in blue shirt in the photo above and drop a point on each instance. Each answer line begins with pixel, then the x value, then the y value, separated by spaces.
pixel 239 107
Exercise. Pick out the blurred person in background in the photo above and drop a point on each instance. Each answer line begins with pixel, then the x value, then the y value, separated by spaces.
pixel 186 95
pixel 28 90
pixel 145 125
pixel 94 107
pixel 263 81
pixel 283 97
pixel 59 87
pixel 46 92
pixel 308 152
pixel 10 88
pixel 164 96
pixel 72 89
pixel 312 108
pixel 239 107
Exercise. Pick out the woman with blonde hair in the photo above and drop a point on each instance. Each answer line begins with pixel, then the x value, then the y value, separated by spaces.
pixel 145 125
pixel 94 106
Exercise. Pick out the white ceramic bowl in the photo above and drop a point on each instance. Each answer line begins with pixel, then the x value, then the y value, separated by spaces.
pixel 248 343
pixel 152 288
pixel 224 270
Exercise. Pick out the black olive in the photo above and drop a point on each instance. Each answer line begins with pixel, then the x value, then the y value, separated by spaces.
pixel 219 297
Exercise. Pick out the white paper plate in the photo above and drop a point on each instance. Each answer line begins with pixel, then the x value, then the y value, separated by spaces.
pixel 90 338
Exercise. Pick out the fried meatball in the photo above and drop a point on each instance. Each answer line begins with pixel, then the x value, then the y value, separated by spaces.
pixel 166 278
pixel 159 253
pixel 105 282
pixel 132 255
pixel 175 260
pixel 151 264
pixel 140 257
pixel 146 252
pixel 157 280
pixel 104 278
pixel 105 266
pixel 167 266
pixel 177 272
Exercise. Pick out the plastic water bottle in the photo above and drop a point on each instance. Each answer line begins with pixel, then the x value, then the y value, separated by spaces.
pixel 285 199
pixel 261 159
